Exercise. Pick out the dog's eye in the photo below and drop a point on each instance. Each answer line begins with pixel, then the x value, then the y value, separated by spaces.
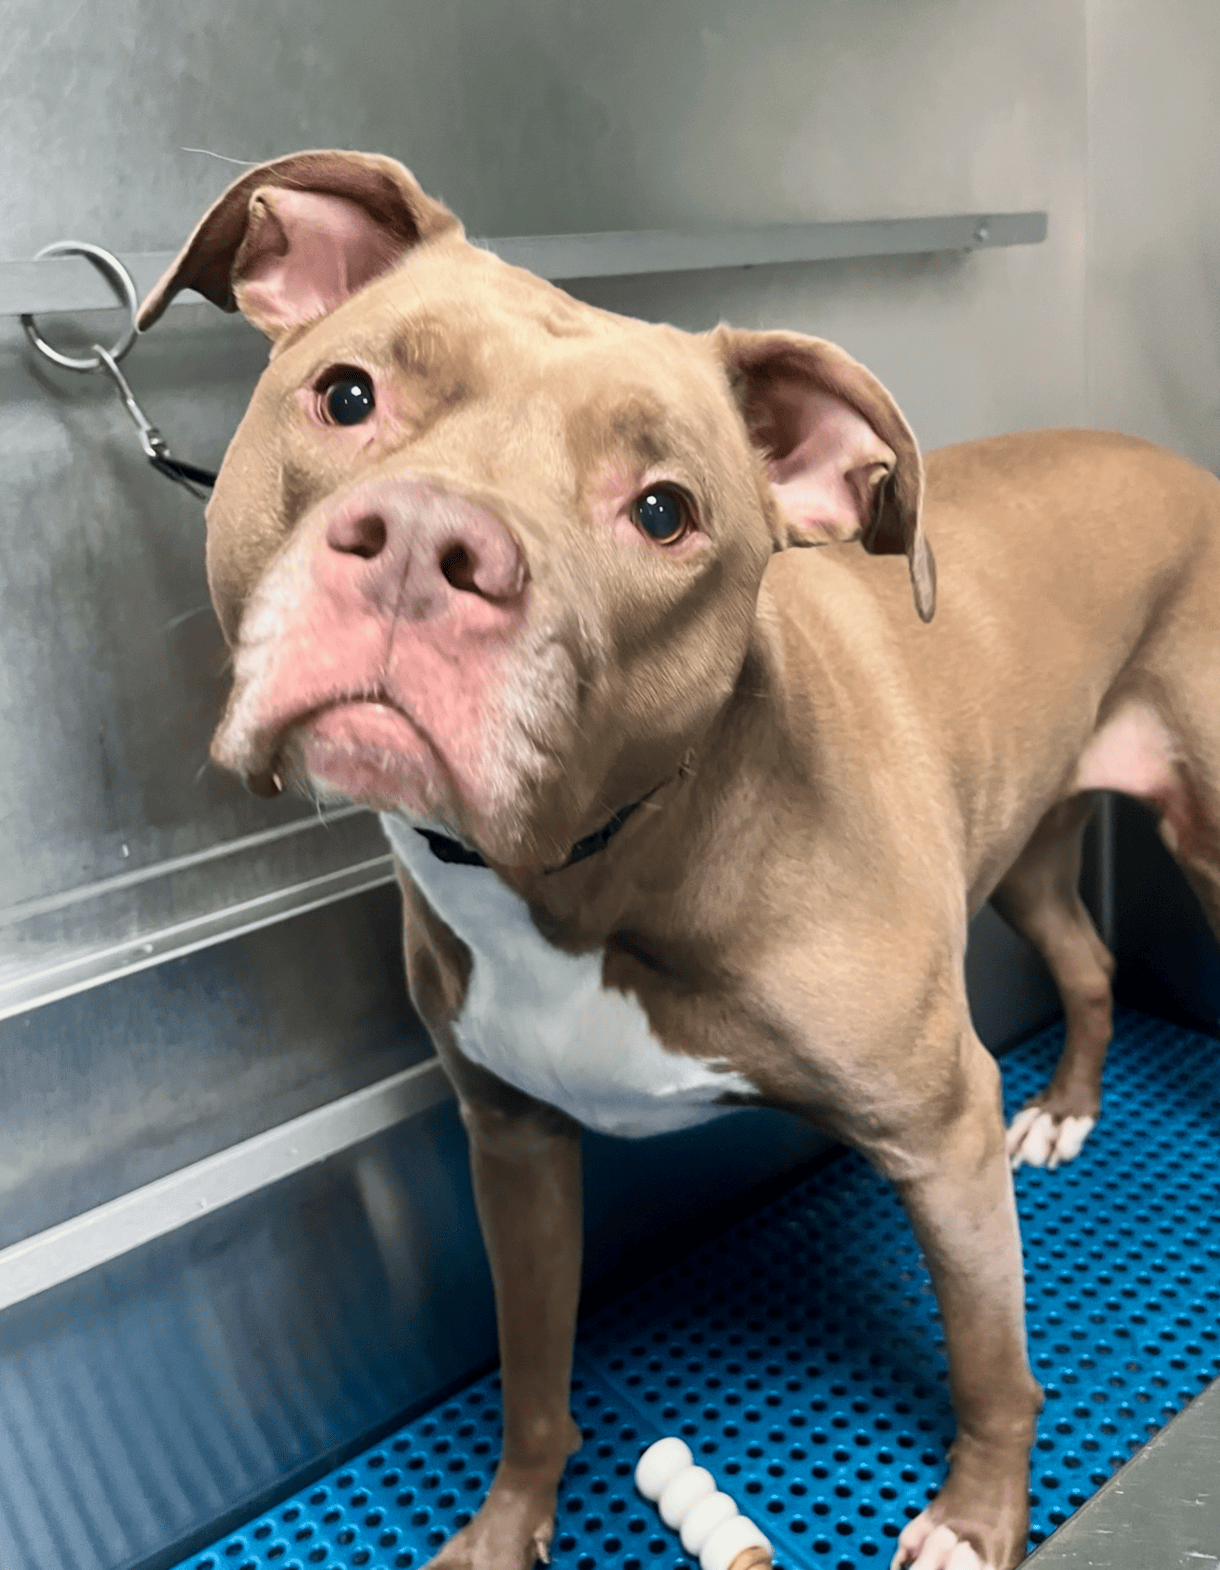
pixel 349 398
pixel 661 513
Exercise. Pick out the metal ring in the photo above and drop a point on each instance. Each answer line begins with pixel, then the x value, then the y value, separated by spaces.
pixel 119 279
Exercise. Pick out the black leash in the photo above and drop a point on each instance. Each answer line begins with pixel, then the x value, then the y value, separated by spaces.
pixel 182 473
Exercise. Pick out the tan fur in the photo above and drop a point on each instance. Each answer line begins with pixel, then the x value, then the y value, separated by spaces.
pixel 829 788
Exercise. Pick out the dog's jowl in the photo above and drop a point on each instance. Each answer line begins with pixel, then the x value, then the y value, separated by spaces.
pixel 688 818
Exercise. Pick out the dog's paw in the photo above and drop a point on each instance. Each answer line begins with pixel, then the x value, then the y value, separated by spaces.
pixel 926 1546
pixel 503 1536
pixel 1038 1138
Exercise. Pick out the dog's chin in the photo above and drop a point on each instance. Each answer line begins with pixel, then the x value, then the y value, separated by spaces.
pixel 371 754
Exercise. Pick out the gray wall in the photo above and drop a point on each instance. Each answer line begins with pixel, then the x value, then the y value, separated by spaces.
pixel 1153 360
pixel 1153 298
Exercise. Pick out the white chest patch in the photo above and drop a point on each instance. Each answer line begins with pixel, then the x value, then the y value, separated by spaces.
pixel 542 1020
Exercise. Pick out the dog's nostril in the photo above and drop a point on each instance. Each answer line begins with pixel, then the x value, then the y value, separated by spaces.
pixel 491 567
pixel 364 535
pixel 458 567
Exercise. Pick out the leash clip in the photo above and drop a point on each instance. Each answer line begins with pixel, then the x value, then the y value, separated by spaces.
pixel 156 448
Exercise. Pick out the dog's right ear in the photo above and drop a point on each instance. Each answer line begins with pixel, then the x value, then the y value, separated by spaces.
pixel 291 240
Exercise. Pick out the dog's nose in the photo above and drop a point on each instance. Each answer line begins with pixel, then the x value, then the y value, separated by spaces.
pixel 391 533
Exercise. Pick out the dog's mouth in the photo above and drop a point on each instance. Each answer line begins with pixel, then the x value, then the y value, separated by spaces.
pixel 363 749
pixel 480 748
pixel 371 752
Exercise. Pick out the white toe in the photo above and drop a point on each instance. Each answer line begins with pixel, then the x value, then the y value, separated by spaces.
pixel 1072 1134
pixel 1037 1139
pixel 940 1550
pixel 909 1543
pixel 937 1549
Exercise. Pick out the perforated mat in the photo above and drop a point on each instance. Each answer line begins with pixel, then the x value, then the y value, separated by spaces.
pixel 800 1356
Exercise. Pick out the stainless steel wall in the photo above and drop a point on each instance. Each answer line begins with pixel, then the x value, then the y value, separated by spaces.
pixel 1153 336
pixel 1153 325
pixel 546 116
pixel 111 1088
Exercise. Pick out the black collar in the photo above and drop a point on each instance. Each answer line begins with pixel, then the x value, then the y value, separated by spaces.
pixel 445 849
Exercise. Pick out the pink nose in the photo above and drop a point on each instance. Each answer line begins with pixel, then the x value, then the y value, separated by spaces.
pixel 420 552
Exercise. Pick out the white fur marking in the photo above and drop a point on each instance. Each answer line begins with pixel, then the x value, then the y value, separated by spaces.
pixel 923 1547
pixel 1035 1139
pixel 1132 752
pixel 541 1019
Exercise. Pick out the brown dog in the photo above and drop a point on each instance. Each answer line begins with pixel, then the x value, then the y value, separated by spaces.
pixel 686 820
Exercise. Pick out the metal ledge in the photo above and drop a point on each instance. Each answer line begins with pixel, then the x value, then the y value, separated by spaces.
pixel 48 1258
pixel 70 284
pixel 66 943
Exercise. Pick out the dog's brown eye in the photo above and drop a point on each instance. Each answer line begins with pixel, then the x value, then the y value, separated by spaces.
pixel 661 513
pixel 349 398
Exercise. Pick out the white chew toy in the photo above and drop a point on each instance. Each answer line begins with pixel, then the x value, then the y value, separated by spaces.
pixel 686 1496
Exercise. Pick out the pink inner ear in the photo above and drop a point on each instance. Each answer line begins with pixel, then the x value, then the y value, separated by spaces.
pixel 824 481
pixel 304 254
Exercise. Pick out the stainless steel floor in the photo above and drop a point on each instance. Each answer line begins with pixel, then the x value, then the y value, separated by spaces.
pixel 1161 1512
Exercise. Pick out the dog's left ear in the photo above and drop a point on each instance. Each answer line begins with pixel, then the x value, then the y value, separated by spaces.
pixel 842 461
pixel 293 239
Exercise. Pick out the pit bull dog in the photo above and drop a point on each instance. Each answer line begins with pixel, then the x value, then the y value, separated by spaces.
pixel 686 819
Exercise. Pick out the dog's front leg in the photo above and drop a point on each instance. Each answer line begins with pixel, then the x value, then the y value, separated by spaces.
pixel 527 1184
pixel 960 1202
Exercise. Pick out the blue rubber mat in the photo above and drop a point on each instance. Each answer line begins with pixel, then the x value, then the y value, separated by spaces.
pixel 800 1356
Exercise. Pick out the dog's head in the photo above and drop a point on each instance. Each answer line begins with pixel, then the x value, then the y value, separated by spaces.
pixel 487 555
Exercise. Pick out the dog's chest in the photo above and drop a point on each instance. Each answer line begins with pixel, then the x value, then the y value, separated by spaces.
pixel 542 1020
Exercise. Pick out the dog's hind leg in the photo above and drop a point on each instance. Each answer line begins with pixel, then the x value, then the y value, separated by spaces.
pixel 1039 897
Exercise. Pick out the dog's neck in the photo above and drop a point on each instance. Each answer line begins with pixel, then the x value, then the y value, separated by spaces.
pixel 649 875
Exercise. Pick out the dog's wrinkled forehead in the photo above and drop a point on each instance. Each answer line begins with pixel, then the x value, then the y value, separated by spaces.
pixel 455 328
